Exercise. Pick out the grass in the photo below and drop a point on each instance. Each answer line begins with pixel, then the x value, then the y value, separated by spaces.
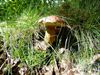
pixel 20 21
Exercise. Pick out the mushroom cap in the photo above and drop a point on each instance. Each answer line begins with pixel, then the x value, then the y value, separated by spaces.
pixel 51 21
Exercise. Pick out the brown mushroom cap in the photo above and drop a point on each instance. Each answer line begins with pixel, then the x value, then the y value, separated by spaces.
pixel 51 21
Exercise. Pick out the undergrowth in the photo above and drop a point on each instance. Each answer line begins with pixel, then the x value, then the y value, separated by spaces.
pixel 18 20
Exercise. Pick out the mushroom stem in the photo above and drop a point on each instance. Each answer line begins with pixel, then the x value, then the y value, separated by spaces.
pixel 50 35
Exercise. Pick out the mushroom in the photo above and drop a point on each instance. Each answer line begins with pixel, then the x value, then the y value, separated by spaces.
pixel 51 22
